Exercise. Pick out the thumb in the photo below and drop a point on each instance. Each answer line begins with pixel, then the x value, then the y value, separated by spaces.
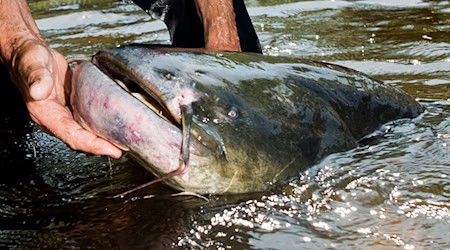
pixel 31 64
pixel 41 84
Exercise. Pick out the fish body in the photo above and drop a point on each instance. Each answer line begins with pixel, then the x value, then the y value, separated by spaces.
pixel 257 120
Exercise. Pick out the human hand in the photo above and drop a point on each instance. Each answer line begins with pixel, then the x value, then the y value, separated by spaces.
pixel 43 76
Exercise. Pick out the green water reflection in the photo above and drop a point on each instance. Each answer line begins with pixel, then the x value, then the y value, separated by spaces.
pixel 393 193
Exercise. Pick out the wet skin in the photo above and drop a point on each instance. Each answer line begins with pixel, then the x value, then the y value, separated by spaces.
pixel 257 120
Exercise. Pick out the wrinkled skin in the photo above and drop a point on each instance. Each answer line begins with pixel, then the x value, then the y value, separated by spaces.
pixel 258 120
pixel 43 77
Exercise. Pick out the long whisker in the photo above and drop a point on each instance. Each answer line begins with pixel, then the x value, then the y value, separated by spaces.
pixel 186 124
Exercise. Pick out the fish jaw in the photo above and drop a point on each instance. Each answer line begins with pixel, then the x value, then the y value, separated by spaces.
pixel 170 91
pixel 104 108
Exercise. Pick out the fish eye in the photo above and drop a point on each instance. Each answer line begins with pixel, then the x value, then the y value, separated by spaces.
pixel 168 76
pixel 233 113
pixel 165 74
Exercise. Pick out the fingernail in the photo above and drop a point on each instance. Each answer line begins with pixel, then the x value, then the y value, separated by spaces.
pixel 114 153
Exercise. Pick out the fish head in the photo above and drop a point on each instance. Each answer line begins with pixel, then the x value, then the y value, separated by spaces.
pixel 223 124
pixel 253 120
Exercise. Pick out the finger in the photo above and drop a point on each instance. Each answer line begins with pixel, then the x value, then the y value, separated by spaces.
pixel 80 139
pixel 58 120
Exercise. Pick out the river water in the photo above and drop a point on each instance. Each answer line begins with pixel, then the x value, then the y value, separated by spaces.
pixel 393 193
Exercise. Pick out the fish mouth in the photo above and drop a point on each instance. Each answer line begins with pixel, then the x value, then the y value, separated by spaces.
pixel 137 87
pixel 167 101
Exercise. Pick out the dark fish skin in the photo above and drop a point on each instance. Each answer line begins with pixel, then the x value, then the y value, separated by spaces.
pixel 258 120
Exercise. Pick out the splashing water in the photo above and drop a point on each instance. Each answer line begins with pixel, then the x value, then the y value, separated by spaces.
pixel 391 193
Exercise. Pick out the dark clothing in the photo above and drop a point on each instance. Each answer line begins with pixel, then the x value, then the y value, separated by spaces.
pixel 186 29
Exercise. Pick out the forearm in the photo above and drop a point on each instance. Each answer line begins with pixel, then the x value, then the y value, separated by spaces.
pixel 16 26
pixel 219 24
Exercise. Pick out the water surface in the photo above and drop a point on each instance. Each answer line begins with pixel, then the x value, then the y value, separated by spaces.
pixel 393 193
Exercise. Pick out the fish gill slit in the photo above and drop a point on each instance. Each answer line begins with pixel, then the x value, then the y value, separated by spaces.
pixel 284 168
pixel 231 182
